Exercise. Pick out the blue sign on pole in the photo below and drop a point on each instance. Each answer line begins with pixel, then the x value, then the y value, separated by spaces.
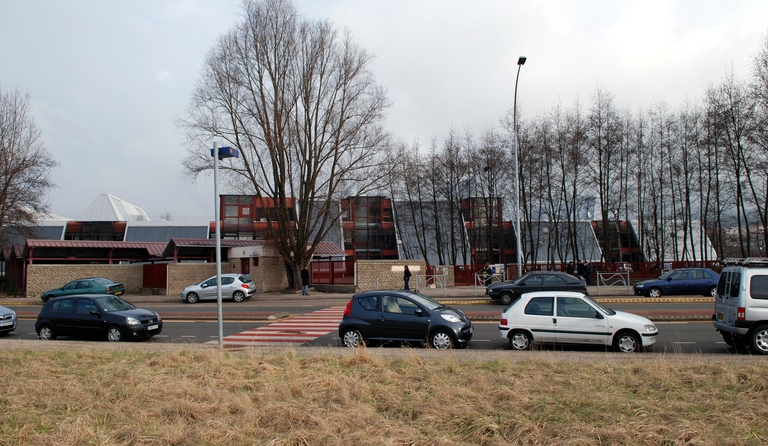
pixel 227 152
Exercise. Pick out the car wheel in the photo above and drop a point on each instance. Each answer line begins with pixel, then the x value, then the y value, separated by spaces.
pixel 713 291
pixel 352 338
pixel 758 340
pixel 46 333
pixel 520 340
pixel 441 340
pixel 239 296
pixel 505 298
pixel 654 292
pixel 192 298
pixel 626 342
pixel 114 334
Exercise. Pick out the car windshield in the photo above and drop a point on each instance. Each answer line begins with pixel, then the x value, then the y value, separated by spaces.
pixel 114 303
pixel 599 306
pixel 425 301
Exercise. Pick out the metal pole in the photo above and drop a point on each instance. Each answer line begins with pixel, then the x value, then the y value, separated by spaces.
pixel 520 63
pixel 218 240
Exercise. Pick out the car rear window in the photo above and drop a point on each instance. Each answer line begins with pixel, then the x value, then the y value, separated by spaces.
pixel 541 306
pixel 369 303
pixel 245 279
pixel 758 287
pixel 102 281
pixel 62 306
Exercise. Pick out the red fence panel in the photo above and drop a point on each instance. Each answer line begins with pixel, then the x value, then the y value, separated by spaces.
pixel 155 275
pixel 333 272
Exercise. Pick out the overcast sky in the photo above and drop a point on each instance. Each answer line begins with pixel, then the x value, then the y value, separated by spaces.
pixel 108 80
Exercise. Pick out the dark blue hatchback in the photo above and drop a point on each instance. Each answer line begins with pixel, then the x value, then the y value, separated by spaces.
pixel 702 281
pixel 96 316
pixel 403 316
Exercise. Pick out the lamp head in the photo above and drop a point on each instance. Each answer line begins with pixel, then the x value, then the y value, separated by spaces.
pixel 521 60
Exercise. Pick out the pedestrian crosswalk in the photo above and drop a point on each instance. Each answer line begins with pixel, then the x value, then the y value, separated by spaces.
pixel 296 330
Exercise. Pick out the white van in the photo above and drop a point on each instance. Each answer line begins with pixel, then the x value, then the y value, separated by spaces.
pixel 741 304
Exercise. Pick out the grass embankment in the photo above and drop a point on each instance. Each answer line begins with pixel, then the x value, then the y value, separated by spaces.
pixel 402 397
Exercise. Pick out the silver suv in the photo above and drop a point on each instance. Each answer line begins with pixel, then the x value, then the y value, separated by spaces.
pixel 741 304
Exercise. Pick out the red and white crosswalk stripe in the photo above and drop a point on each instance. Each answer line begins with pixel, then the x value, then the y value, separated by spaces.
pixel 296 330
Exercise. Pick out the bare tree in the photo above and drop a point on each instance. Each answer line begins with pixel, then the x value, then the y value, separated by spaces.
pixel 25 166
pixel 298 99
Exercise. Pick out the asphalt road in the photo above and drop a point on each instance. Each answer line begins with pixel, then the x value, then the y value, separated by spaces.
pixel 674 337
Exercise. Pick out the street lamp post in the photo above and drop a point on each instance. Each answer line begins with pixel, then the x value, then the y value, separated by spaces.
pixel 219 153
pixel 520 62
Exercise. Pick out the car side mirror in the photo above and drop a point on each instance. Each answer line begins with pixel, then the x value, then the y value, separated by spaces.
pixel 522 283
pixel 669 279
pixel 598 315
pixel 96 313
pixel 205 285
pixel 419 312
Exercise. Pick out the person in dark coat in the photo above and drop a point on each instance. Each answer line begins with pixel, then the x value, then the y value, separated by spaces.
pixel 580 269
pixel 588 273
pixel 406 277
pixel 569 268
pixel 305 282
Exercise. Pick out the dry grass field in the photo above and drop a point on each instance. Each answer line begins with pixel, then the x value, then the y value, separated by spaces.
pixel 75 393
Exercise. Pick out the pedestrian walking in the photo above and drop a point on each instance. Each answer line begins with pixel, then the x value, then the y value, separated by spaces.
pixel 305 282
pixel 588 270
pixel 487 274
pixel 406 277
pixel 580 271
pixel 569 267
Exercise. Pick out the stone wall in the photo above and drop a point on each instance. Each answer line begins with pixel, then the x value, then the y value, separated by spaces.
pixel 379 274
pixel 41 278
pixel 182 275
pixel 270 274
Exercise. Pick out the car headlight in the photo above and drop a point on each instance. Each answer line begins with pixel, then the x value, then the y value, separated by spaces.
pixel 639 285
pixel 450 318
pixel 650 327
pixel 158 316
pixel 132 321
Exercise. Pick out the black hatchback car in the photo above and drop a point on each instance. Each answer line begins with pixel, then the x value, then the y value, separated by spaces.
pixel 403 316
pixel 96 316
pixel 506 292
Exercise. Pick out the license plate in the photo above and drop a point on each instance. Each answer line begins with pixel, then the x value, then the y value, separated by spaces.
pixel 118 293
pixel 153 327
pixel 6 323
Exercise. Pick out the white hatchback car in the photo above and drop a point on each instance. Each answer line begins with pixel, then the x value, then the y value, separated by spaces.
pixel 562 317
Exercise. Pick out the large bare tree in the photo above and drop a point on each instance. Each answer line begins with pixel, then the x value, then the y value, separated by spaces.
pixel 25 166
pixel 298 99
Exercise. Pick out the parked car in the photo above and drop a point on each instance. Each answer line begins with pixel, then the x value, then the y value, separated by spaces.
pixel 702 281
pixel 573 318
pixel 96 316
pixel 234 286
pixel 403 316
pixel 7 320
pixel 506 292
pixel 741 304
pixel 89 285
